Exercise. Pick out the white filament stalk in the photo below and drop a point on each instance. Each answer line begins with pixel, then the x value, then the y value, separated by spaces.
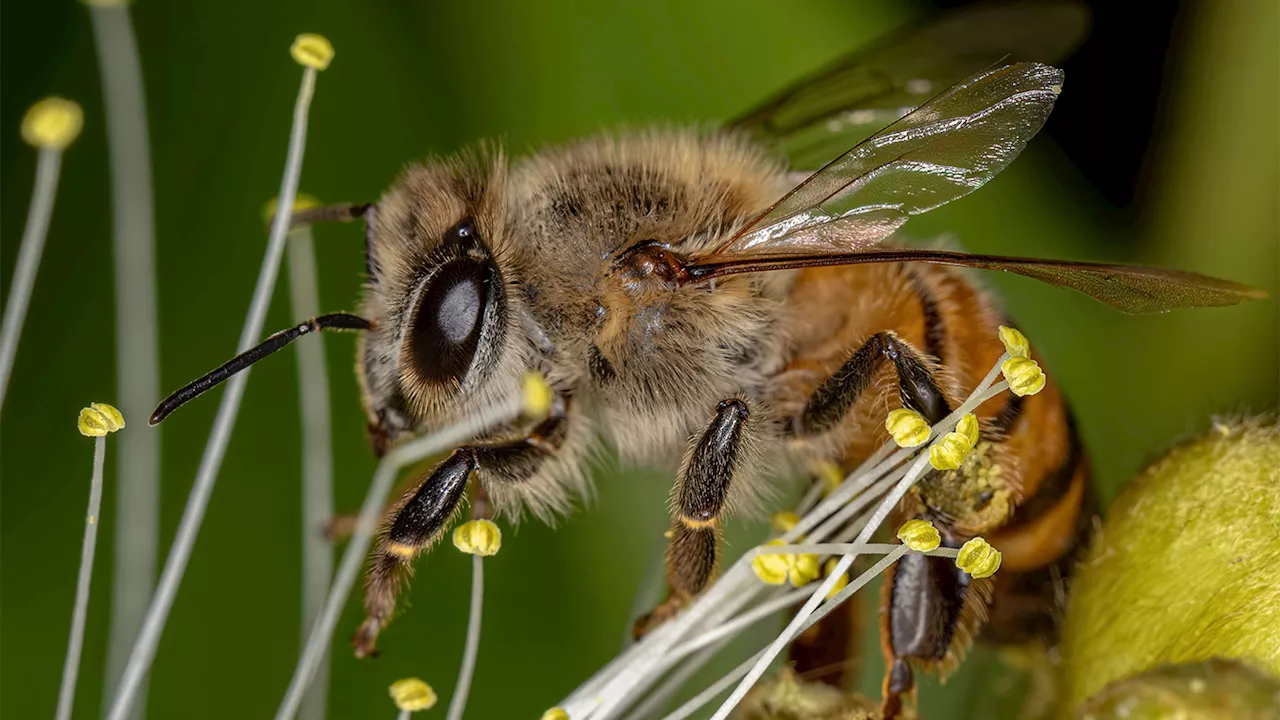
pixel 24 274
pixel 144 649
pixel 471 651
pixel 71 666
pixel 137 526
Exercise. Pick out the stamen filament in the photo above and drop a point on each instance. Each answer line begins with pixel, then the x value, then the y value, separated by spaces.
pixel 471 651
pixel 144 649
pixel 80 611
pixel 138 484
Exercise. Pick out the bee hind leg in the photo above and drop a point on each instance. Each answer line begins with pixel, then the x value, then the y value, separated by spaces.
pixel 697 506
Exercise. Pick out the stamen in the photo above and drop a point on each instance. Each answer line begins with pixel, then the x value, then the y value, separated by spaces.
pixel 1015 343
pixel 829 569
pixel 978 558
pixel 772 569
pixel 53 123
pixel 783 521
pixel 312 50
pixel 99 419
pixel 919 535
pixel 96 421
pixel 412 695
pixel 1024 375
pixel 908 428
pixel 478 537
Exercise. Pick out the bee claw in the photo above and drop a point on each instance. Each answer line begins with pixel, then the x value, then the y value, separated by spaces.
pixel 366 637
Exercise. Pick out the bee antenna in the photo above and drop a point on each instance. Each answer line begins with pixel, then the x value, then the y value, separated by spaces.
pixel 197 387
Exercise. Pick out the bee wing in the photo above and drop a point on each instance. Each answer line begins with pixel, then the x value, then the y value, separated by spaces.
pixel 870 88
pixel 1128 288
pixel 942 150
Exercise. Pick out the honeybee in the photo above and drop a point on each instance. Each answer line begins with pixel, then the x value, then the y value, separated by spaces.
pixel 693 300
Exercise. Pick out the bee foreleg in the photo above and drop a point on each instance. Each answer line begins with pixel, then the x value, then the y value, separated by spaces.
pixel 698 503
pixel 916 384
pixel 416 526
pixel 424 513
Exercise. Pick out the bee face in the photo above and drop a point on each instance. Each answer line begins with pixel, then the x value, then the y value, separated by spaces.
pixel 444 342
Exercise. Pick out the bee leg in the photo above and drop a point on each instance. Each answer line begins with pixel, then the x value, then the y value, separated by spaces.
pixel 832 400
pixel 931 612
pixel 698 502
pixel 422 515
pixel 417 524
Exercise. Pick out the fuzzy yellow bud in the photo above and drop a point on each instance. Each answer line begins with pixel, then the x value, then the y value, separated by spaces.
pixel 413 695
pixel 556 713
pixel 1024 375
pixel 784 521
pixel 772 569
pixel 52 123
pixel 919 535
pixel 312 50
pixel 841 583
pixel 978 558
pixel 99 419
pixel 1015 343
pixel 908 428
pixel 949 454
pixel 829 474
pixel 537 395
pixel 478 537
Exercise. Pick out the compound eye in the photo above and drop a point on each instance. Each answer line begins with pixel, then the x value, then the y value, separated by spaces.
pixel 450 316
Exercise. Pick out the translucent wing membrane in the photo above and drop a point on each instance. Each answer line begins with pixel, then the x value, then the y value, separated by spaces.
pixel 943 150
pixel 1128 288
pixel 866 90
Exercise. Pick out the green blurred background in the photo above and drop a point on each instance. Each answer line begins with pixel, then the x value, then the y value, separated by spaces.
pixel 1165 149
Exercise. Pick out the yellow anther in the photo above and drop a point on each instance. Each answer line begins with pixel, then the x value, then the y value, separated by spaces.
pixel 537 395
pixel 99 419
pixel 772 569
pixel 1024 375
pixel 301 202
pixel 803 569
pixel 950 452
pixel 919 535
pixel 968 427
pixel 312 50
pixel 841 583
pixel 978 558
pixel 908 428
pixel 798 569
pixel 830 474
pixel 784 521
pixel 413 695
pixel 52 123
pixel 478 537
pixel 556 713
pixel 1015 343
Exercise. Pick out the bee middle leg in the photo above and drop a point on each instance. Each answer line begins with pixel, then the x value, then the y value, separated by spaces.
pixel 421 516
pixel 698 502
